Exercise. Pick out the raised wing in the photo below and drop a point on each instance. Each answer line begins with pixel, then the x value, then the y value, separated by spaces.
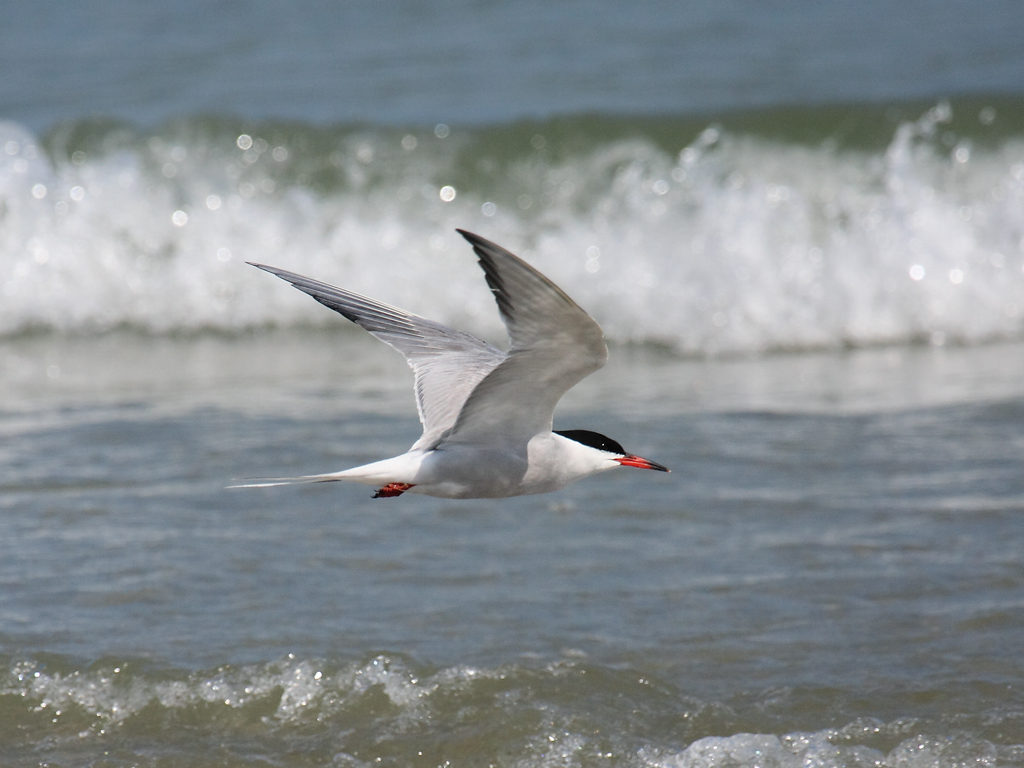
pixel 447 364
pixel 554 345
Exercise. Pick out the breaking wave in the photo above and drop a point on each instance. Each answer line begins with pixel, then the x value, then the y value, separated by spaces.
pixel 787 229
pixel 387 710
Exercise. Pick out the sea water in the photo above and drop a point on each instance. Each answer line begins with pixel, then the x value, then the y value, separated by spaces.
pixel 702 238
pixel 831 574
pixel 806 249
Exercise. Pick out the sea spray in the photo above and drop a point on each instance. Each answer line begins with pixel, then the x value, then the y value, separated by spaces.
pixel 728 236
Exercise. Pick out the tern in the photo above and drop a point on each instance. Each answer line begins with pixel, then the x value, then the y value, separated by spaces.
pixel 486 414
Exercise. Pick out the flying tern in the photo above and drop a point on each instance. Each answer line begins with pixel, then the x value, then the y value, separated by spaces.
pixel 486 414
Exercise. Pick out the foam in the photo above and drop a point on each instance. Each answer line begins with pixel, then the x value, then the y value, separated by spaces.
pixel 384 702
pixel 733 242
pixel 823 749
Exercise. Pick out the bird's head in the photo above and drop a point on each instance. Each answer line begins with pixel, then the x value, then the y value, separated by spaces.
pixel 616 454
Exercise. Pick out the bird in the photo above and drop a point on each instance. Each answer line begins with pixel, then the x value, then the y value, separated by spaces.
pixel 487 414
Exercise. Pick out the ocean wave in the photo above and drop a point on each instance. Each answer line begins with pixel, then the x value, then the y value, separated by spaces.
pixel 388 710
pixel 799 229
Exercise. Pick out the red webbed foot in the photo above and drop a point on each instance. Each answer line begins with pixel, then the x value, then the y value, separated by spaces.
pixel 392 489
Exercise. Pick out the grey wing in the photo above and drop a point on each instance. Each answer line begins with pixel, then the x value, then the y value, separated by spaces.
pixel 447 364
pixel 554 345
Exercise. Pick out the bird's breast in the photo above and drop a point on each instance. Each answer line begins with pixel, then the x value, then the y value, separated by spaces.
pixel 466 471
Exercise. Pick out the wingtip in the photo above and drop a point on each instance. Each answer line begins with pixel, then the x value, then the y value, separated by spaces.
pixel 470 236
pixel 483 248
pixel 284 274
pixel 475 239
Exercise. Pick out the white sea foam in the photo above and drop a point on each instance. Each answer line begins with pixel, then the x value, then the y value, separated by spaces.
pixel 733 243
pixel 382 703
pixel 822 749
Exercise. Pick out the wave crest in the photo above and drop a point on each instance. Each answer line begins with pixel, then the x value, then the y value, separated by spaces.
pixel 704 238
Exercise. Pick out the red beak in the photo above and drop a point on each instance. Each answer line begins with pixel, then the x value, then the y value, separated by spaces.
pixel 641 463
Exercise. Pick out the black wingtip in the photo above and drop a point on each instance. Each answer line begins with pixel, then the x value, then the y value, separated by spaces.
pixel 475 240
pixel 485 251
pixel 284 274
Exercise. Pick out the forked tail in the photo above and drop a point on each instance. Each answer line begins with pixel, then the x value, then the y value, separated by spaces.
pixel 270 482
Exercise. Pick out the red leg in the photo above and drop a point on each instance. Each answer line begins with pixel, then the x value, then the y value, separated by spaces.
pixel 392 489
